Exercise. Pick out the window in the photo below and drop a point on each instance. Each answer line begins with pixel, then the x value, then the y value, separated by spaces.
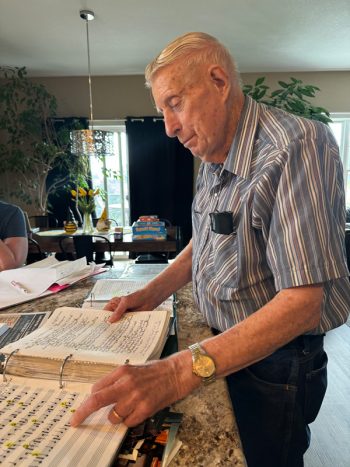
pixel 116 190
pixel 341 130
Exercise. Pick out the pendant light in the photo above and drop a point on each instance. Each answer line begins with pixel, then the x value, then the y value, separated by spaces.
pixel 98 143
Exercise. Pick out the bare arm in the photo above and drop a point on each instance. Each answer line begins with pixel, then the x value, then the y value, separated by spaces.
pixel 290 313
pixel 175 276
pixel 13 252
pixel 140 391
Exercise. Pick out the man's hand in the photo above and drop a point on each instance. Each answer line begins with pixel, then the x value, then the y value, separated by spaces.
pixel 139 391
pixel 175 276
pixel 140 300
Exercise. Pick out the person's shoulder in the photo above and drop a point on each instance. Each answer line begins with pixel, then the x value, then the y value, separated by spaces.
pixel 283 127
pixel 10 207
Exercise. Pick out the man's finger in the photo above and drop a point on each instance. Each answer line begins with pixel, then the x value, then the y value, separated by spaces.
pixel 106 381
pixel 117 314
pixel 112 304
pixel 94 402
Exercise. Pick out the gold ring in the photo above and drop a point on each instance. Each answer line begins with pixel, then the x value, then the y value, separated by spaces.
pixel 117 416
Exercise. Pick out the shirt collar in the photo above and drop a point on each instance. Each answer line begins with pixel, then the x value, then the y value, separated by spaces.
pixel 239 157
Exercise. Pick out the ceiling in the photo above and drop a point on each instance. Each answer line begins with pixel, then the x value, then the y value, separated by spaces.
pixel 49 37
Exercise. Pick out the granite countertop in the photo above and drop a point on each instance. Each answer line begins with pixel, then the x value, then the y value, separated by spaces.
pixel 208 430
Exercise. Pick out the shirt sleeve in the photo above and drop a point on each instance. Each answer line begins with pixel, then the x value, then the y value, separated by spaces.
pixel 306 243
pixel 13 224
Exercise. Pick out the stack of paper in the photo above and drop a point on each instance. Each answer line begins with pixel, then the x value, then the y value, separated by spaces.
pixel 42 278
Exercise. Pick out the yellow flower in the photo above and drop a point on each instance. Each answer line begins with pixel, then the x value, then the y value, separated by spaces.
pixel 85 198
pixel 82 192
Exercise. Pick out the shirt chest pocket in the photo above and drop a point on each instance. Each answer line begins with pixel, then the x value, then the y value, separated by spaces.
pixel 223 260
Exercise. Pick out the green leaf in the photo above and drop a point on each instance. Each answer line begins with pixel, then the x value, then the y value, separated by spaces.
pixel 259 81
pixel 307 92
pixel 276 93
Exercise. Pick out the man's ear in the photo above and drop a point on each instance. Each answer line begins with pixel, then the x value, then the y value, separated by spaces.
pixel 220 79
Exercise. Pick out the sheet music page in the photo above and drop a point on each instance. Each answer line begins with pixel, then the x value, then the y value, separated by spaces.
pixel 142 271
pixel 168 304
pixel 35 430
pixel 87 335
pixel 105 289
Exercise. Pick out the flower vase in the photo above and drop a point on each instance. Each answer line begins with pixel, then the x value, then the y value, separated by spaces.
pixel 88 226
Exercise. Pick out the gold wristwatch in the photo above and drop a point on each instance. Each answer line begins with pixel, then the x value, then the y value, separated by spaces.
pixel 202 364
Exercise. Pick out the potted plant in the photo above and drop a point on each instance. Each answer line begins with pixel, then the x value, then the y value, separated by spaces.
pixel 292 97
pixel 34 152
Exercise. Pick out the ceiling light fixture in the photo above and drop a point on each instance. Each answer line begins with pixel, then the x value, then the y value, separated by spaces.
pixel 91 142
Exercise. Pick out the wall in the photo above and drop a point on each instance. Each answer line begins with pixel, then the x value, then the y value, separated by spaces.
pixel 115 97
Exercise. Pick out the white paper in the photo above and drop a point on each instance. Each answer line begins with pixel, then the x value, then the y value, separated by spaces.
pixel 37 280
pixel 105 289
pixel 142 271
pixel 35 428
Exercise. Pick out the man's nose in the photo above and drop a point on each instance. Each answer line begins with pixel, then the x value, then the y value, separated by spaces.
pixel 172 124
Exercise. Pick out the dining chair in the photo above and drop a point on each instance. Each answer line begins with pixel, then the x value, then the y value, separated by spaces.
pixel 35 253
pixel 78 246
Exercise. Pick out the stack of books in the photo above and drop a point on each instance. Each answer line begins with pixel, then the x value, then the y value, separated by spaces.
pixel 149 228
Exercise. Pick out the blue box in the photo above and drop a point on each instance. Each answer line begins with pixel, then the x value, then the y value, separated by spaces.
pixel 148 231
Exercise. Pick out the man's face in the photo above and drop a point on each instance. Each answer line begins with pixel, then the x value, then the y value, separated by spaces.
pixel 194 109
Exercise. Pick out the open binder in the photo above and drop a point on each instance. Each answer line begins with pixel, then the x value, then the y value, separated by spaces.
pixel 49 364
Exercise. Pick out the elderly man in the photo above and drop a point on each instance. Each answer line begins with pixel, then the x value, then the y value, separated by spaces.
pixel 13 237
pixel 266 259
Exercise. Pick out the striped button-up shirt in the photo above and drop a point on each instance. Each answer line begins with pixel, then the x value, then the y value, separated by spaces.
pixel 283 182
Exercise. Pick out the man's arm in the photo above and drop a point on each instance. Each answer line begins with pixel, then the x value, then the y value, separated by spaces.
pixel 13 252
pixel 175 276
pixel 137 392
pixel 290 313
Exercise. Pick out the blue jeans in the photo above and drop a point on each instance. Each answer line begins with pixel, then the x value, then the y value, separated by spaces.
pixel 275 399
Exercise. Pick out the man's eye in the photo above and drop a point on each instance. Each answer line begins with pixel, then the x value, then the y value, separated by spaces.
pixel 175 104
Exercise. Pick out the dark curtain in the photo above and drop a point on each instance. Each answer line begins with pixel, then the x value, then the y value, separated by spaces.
pixel 160 174
pixel 61 201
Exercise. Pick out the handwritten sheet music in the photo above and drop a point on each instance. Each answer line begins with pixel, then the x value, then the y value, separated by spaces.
pixel 35 430
pixel 87 335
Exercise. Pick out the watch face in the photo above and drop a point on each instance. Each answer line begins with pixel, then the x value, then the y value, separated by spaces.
pixel 204 366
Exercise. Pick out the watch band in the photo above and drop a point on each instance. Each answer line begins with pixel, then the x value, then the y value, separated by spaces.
pixel 197 353
pixel 196 350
